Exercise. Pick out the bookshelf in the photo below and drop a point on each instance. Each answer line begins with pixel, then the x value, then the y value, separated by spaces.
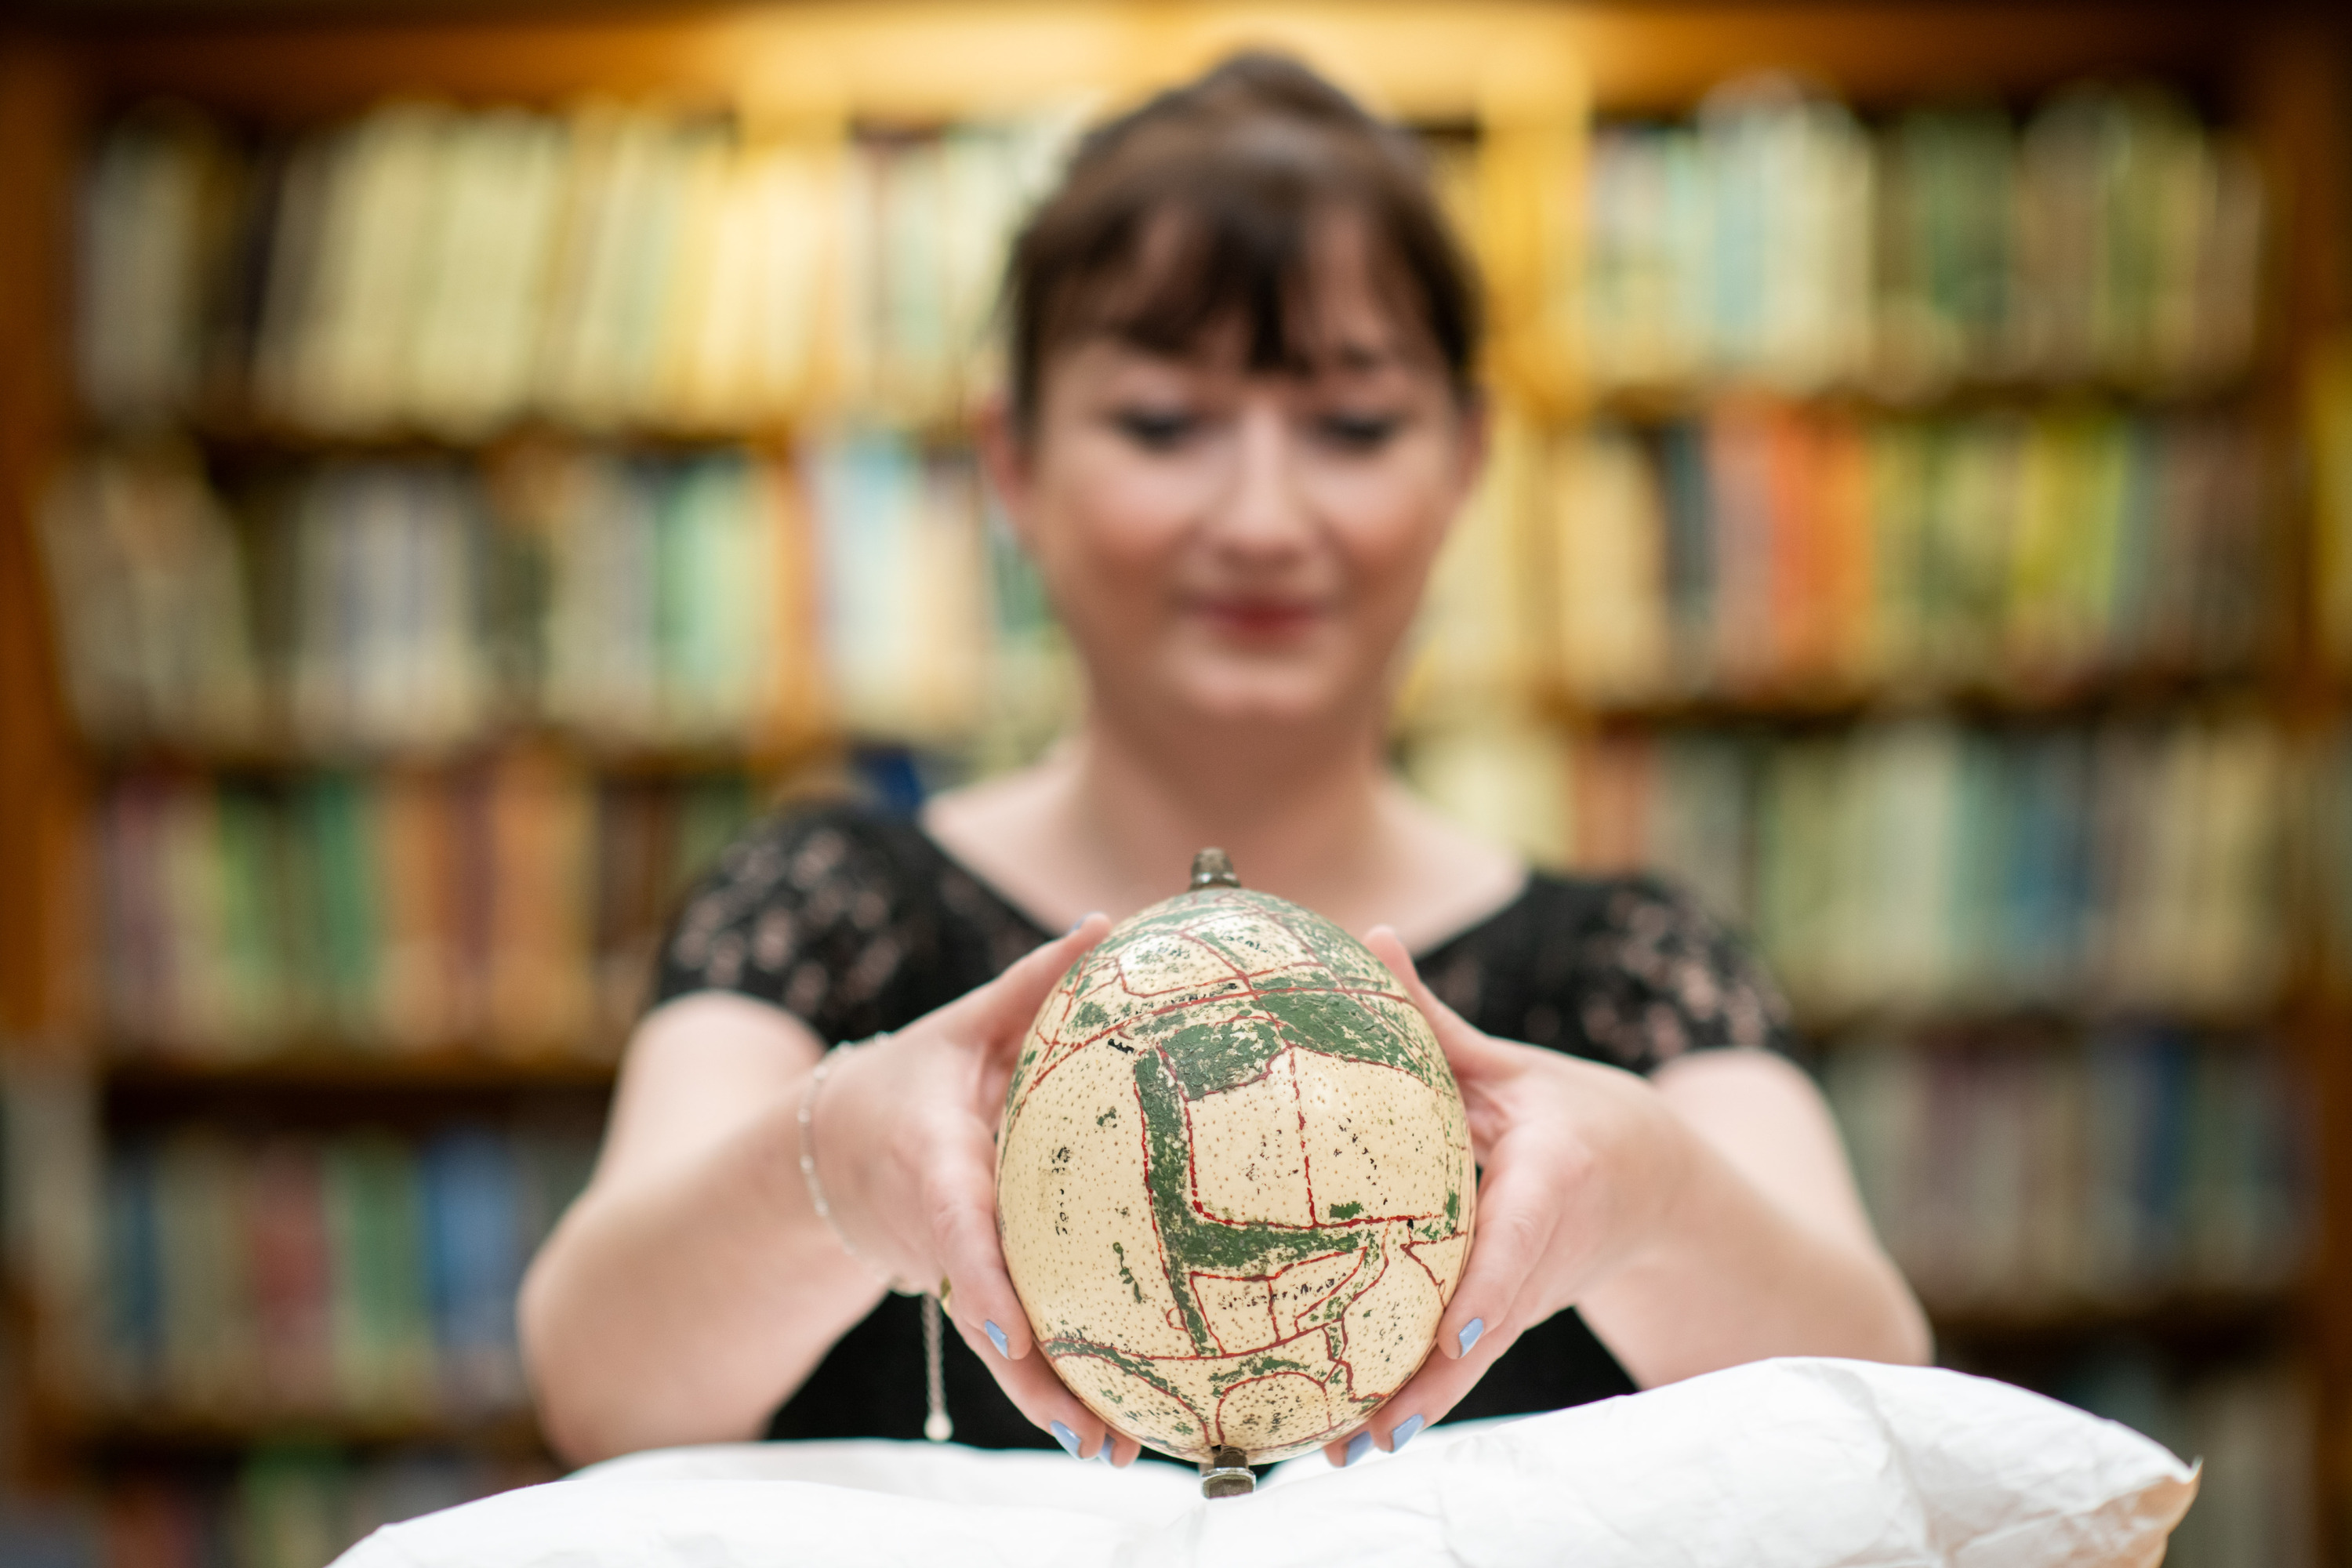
pixel 1829 754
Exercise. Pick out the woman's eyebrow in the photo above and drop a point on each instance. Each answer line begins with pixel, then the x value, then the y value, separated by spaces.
pixel 1354 357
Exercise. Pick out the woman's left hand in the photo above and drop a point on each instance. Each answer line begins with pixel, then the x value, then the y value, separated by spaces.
pixel 1582 1163
pixel 1700 1218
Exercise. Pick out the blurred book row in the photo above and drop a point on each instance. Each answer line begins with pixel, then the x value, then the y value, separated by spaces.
pixel 724 600
pixel 1770 549
pixel 1915 867
pixel 429 268
pixel 287 1505
pixel 1926 865
pixel 1776 237
pixel 425 267
pixel 2114 1172
pixel 634 601
pixel 510 908
pixel 362 1276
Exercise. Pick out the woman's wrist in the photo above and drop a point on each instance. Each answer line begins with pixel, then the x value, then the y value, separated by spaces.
pixel 835 1155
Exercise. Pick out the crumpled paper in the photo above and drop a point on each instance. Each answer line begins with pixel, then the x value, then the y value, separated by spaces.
pixel 1778 1464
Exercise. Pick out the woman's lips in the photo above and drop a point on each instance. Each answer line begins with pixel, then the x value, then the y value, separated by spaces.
pixel 1258 618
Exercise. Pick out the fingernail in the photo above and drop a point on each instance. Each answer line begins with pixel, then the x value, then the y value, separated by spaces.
pixel 1406 1431
pixel 996 1337
pixel 1467 1337
pixel 1064 1437
pixel 1075 925
pixel 1358 1446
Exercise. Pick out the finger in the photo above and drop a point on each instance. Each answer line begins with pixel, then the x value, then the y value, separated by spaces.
pixel 1432 1393
pixel 1336 1449
pixel 1463 1043
pixel 959 1205
pixel 1038 1393
pixel 1006 1004
pixel 1517 1220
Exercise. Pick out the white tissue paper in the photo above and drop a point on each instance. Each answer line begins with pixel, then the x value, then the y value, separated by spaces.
pixel 1780 1464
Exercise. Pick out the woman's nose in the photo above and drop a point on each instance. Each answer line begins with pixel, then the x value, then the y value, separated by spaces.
pixel 1263 506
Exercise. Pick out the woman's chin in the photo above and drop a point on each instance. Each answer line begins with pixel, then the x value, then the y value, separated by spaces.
pixel 1261 698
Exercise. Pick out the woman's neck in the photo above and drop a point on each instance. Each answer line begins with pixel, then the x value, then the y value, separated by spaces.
pixel 1301 820
pixel 1111 819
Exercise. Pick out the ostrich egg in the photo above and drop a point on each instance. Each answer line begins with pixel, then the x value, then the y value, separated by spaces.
pixel 1234 1183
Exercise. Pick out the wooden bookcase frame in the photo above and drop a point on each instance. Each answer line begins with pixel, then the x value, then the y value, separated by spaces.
pixel 1528 75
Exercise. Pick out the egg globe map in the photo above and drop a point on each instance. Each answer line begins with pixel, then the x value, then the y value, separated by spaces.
pixel 1234 1183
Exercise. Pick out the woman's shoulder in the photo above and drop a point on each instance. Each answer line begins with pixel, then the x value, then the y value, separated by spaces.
pixel 822 907
pixel 1631 970
pixel 824 855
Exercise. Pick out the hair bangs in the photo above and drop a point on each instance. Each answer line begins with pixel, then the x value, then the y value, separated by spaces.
pixel 1196 225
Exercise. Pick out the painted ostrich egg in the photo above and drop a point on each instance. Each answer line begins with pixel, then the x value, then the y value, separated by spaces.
pixel 1233 1181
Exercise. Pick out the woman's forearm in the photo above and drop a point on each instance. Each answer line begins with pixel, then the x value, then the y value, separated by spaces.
pixel 682 1305
pixel 1730 1274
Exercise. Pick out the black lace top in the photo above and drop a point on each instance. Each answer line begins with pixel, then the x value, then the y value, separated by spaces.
pixel 857 922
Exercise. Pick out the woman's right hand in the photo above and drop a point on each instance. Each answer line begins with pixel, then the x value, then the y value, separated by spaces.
pixel 905 1133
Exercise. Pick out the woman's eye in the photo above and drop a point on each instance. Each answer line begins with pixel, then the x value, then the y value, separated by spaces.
pixel 1358 432
pixel 1156 430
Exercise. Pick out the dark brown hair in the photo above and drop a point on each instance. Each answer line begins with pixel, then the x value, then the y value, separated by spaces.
pixel 1236 173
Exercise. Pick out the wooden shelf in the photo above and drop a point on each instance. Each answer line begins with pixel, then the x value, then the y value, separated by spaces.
pixel 1647 404
pixel 2184 1316
pixel 313 1068
pixel 248 439
pixel 2113 694
pixel 286 758
pixel 510 1433
pixel 2051 1022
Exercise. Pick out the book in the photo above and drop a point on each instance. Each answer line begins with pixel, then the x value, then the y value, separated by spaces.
pixel 425 268
pixel 302 1277
pixel 2026 1173
pixel 1921 866
pixel 906 587
pixel 145 566
pixel 510 907
pixel 1775 240
pixel 474 1257
pixel 1777 551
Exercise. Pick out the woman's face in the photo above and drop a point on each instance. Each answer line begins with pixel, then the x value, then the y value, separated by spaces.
pixel 1244 547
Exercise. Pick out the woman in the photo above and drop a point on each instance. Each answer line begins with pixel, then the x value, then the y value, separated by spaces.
pixel 1240 419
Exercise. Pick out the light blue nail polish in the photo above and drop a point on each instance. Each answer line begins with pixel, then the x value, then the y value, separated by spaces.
pixel 1406 1431
pixel 1468 1336
pixel 996 1337
pixel 1358 1446
pixel 1064 1437
pixel 1075 925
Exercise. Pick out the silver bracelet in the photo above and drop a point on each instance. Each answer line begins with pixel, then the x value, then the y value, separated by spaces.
pixel 937 1427
pixel 808 1159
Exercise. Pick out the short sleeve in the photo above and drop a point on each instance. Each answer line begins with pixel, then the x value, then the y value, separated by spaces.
pixel 818 912
pixel 1628 971
pixel 1664 978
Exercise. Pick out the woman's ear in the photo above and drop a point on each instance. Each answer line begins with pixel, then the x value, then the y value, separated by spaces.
pixel 1004 453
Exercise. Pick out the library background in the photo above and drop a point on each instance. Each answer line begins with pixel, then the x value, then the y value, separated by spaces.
pixel 454 473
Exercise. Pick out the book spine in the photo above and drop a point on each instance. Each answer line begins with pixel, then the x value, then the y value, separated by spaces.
pixel 1778 241
pixel 300 1278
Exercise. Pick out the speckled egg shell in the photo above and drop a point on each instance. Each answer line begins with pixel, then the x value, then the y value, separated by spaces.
pixel 1234 1183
